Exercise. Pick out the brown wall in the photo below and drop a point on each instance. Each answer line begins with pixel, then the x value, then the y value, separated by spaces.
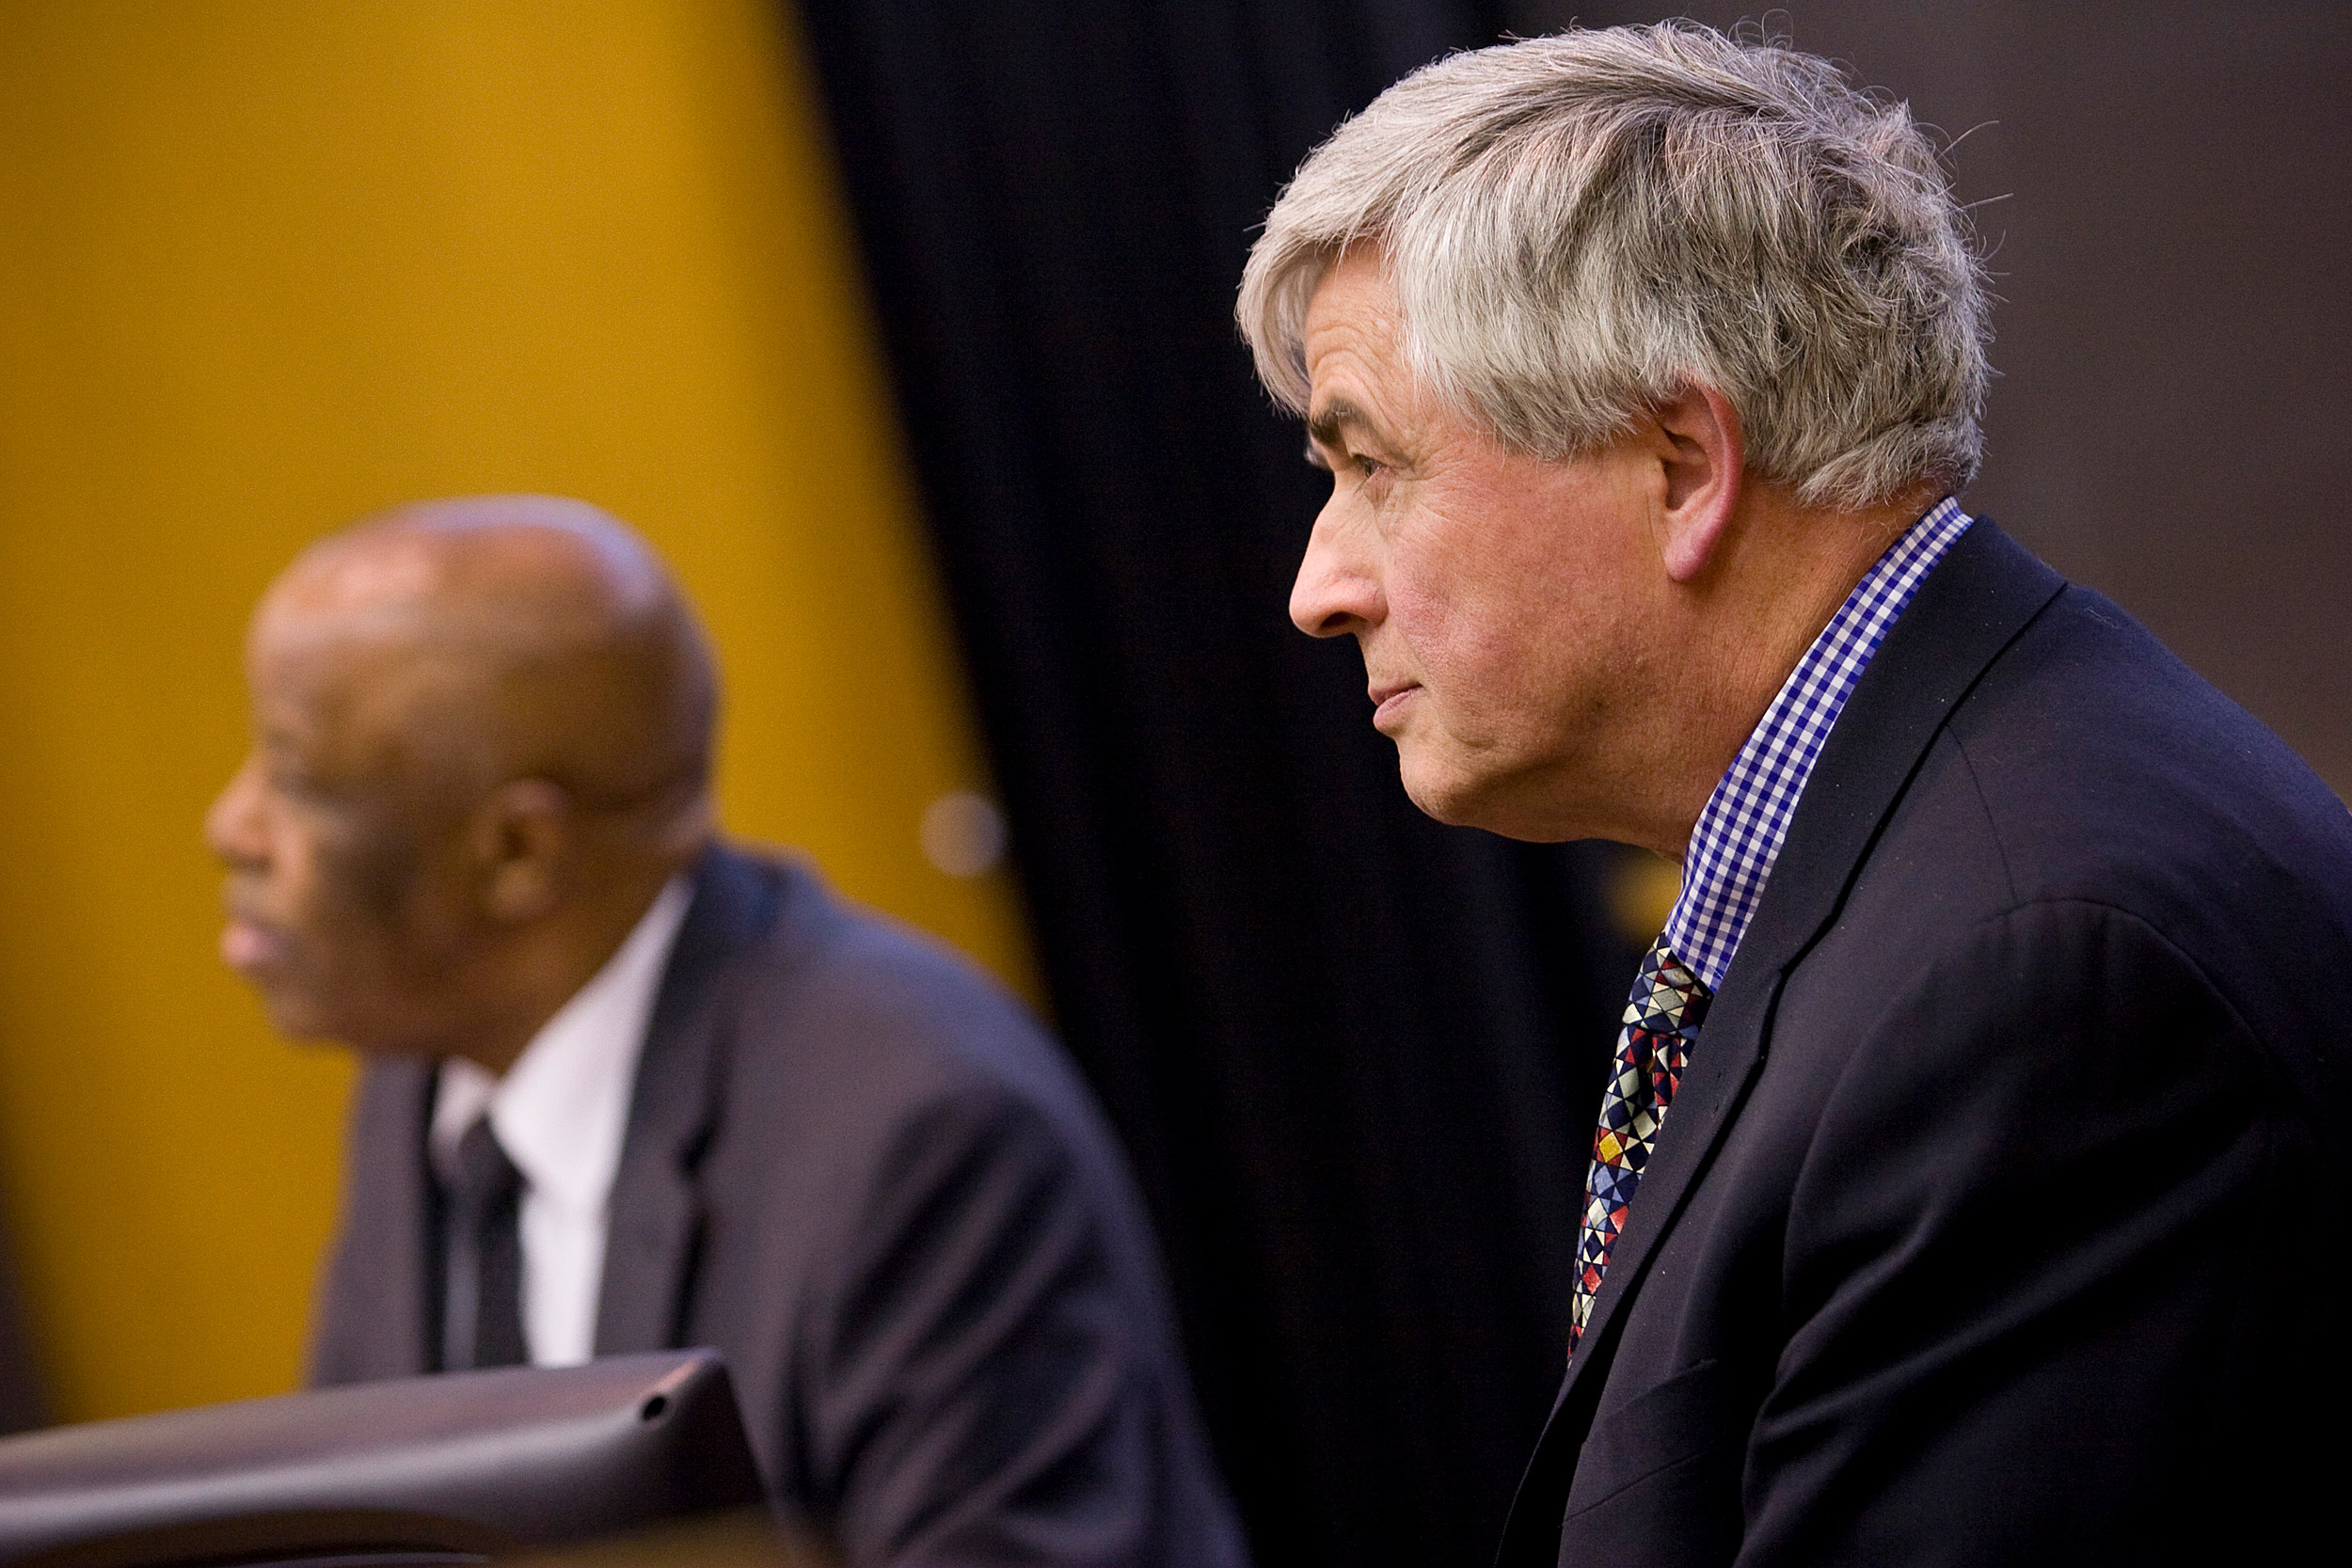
pixel 2165 192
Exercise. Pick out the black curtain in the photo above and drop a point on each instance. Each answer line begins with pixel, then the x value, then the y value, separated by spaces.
pixel 1356 1056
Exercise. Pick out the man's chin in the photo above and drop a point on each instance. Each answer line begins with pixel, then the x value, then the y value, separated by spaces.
pixel 298 1020
pixel 1441 792
pixel 1460 798
pixel 294 1010
pixel 303 1021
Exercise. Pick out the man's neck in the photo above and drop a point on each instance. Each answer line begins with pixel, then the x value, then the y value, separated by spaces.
pixel 1785 571
pixel 546 966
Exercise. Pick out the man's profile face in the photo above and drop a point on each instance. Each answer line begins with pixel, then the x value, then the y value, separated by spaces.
pixel 344 901
pixel 1497 598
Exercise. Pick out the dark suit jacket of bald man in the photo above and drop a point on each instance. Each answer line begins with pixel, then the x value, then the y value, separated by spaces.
pixel 2003 1212
pixel 863 1174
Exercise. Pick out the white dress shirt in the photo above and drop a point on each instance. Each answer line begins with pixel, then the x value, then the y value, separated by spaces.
pixel 561 1112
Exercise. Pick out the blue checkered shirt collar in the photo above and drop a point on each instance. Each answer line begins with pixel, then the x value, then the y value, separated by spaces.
pixel 1738 835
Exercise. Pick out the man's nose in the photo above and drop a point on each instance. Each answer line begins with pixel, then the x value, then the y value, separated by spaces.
pixel 1336 592
pixel 232 828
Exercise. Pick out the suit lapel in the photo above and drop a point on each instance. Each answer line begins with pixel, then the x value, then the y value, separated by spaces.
pixel 655 1214
pixel 1971 607
pixel 374 1324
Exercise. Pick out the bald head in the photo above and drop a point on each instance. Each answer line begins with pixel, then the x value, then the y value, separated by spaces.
pixel 504 637
pixel 482 741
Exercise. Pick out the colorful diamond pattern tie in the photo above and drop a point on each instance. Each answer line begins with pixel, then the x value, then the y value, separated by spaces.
pixel 1663 1018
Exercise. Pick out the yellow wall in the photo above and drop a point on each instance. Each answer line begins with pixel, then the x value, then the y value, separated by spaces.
pixel 266 266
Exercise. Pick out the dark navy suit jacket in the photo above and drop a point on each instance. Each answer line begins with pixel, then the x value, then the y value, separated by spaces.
pixel 2001 1217
pixel 866 1176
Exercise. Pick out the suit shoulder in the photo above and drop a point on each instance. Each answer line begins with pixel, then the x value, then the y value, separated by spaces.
pixel 2109 771
pixel 851 1006
pixel 858 1054
pixel 2090 770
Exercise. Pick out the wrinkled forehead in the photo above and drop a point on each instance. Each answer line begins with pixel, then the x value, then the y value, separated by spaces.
pixel 1360 373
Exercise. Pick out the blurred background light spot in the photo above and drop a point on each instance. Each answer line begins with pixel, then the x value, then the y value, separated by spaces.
pixel 963 835
pixel 1642 894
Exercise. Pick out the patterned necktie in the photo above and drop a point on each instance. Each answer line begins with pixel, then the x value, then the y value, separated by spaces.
pixel 1663 1018
pixel 482 1323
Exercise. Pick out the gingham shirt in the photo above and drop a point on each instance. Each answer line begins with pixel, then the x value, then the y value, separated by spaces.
pixel 1739 833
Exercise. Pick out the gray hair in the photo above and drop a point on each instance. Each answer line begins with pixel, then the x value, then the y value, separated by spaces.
pixel 1584 225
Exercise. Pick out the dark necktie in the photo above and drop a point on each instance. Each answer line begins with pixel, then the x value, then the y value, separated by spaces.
pixel 1661 1020
pixel 481 1318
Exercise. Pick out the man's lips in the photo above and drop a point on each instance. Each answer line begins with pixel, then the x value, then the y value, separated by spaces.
pixel 247 945
pixel 1388 700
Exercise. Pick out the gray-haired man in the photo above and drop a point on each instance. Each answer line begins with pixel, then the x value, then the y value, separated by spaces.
pixel 1972 1181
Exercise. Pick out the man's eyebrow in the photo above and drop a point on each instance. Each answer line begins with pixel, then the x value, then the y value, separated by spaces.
pixel 1323 427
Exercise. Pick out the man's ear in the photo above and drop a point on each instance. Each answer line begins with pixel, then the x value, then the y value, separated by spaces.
pixel 1704 461
pixel 522 835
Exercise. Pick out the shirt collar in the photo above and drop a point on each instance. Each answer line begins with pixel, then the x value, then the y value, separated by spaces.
pixel 1739 835
pixel 562 1110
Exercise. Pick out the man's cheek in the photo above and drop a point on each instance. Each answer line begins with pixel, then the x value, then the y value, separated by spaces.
pixel 1471 673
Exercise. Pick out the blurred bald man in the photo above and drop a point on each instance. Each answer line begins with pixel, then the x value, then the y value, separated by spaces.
pixel 630 1089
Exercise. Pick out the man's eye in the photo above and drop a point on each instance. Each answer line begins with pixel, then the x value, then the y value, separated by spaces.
pixel 1366 466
